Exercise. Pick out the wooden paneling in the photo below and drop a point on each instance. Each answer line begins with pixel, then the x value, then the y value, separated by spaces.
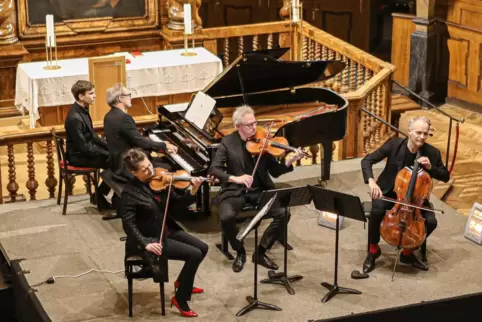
pixel 458 50
pixel 349 20
pixel 401 31
pixel 459 54
pixel 467 13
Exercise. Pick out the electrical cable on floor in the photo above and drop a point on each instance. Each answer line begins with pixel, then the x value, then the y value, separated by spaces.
pixel 51 280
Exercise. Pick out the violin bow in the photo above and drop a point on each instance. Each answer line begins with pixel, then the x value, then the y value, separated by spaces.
pixel 165 210
pixel 410 205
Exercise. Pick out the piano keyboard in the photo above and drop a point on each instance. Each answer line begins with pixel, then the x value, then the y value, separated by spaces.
pixel 176 157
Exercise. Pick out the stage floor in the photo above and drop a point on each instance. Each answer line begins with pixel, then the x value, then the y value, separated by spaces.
pixel 54 245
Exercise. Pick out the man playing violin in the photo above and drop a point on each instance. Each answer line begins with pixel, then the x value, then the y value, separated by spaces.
pixel 400 153
pixel 142 211
pixel 233 165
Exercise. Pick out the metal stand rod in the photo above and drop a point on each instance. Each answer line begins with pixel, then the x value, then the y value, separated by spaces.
pixel 253 300
pixel 282 277
pixel 334 288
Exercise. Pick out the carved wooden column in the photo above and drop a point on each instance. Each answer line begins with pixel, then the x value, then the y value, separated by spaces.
pixel 11 52
pixel 423 50
pixel 176 14
pixel 51 181
pixel 7 22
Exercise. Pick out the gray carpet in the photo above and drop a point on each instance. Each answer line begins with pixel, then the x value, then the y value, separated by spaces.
pixel 69 245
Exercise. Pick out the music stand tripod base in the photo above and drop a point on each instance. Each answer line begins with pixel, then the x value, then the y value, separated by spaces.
pixel 335 289
pixel 254 303
pixel 282 279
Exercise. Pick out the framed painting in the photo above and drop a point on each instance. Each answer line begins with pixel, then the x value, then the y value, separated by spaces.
pixel 72 17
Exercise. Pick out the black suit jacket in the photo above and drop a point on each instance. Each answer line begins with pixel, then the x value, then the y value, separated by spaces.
pixel 121 133
pixel 82 141
pixel 142 212
pixel 230 161
pixel 394 150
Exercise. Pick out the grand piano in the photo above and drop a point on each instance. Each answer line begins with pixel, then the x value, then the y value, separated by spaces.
pixel 273 88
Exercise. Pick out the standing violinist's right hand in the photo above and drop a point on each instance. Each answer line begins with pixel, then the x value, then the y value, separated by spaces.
pixel 245 179
pixel 375 190
pixel 155 248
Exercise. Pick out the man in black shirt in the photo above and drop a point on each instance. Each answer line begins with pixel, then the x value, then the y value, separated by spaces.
pixel 233 166
pixel 84 146
pixel 400 153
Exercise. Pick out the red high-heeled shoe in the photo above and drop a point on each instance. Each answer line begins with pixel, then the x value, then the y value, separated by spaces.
pixel 189 314
pixel 195 290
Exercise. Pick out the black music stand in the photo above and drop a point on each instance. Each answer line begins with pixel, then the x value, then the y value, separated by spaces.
pixel 344 205
pixel 253 301
pixel 285 198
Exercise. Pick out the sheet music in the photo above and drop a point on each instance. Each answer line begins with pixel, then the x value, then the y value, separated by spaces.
pixel 200 109
pixel 257 218
pixel 180 107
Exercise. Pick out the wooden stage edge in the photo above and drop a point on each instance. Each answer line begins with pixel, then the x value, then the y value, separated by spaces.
pixel 55 245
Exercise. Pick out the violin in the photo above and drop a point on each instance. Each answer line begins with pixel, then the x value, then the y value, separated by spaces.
pixel 403 226
pixel 180 179
pixel 262 143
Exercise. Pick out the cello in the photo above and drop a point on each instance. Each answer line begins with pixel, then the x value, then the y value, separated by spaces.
pixel 403 226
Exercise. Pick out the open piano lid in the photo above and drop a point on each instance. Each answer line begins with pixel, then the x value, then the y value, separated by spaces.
pixel 263 71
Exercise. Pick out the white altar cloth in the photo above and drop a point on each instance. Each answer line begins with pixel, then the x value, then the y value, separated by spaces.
pixel 156 73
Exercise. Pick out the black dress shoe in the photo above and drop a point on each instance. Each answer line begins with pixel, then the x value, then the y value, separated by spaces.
pixel 369 263
pixel 265 261
pixel 414 261
pixel 238 263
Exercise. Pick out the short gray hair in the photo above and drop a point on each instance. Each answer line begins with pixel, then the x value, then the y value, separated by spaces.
pixel 418 118
pixel 240 112
pixel 114 92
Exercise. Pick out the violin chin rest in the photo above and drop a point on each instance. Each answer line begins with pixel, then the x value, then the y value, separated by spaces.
pixel 356 275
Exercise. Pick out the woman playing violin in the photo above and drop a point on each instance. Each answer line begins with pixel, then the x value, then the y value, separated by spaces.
pixel 233 165
pixel 400 153
pixel 142 211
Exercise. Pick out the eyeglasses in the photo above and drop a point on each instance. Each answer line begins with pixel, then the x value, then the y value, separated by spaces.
pixel 249 125
pixel 128 95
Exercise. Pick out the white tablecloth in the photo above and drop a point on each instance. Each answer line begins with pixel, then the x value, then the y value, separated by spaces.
pixel 152 74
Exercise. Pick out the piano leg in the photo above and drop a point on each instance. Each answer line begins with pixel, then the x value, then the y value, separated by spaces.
pixel 206 199
pixel 326 162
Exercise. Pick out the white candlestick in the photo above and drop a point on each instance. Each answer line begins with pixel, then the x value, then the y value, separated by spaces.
pixel 295 10
pixel 187 19
pixel 49 22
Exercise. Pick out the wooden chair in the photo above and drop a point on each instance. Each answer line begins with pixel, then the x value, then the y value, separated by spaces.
pixel 130 262
pixel 66 171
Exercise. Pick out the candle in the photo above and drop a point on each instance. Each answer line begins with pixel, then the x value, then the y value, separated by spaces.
pixel 187 19
pixel 49 22
pixel 295 10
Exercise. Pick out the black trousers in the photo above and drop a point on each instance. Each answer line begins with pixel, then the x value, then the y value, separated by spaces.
pixel 229 209
pixel 99 162
pixel 380 207
pixel 181 246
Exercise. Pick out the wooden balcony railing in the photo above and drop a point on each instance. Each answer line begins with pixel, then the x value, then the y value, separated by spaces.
pixel 365 82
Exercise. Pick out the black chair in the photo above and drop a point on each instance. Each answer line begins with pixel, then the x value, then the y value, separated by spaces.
pixel 66 171
pixel 367 208
pixel 130 262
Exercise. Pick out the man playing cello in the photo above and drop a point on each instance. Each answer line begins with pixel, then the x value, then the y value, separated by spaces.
pixel 400 153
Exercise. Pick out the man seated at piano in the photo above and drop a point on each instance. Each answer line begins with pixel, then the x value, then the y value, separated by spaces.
pixel 233 166
pixel 122 134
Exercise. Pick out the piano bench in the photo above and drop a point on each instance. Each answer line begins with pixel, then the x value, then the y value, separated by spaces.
pixel 116 186
pixel 129 263
pixel 247 213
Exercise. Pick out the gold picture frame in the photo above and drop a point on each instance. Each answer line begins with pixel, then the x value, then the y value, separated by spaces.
pixel 96 25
